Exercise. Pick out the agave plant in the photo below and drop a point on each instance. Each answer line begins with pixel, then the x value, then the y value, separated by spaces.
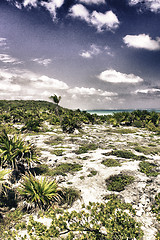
pixel 43 193
pixel 14 150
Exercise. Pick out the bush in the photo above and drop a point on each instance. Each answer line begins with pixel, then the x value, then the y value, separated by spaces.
pixel 85 148
pixel 111 162
pixel 43 193
pixel 14 151
pixel 69 196
pixel 70 123
pixel 96 221
pixel 148 168
pixel 118 182
pixel 124 154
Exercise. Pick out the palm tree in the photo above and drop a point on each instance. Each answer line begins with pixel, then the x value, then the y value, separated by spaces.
pixel 43 193
pixel 56 99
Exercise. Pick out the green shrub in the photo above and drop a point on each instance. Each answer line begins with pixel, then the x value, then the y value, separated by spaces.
pixel 111 162
pixel 14 151
pixel 57 152
pixel 70 123
pixel 156 206
pixel 148 168
pixel 85 148
pixel 118 182
pixel 92 173
pixel 96 221
pixel 146 150
pixel 43 193
pixel 69 196
pixel 124 154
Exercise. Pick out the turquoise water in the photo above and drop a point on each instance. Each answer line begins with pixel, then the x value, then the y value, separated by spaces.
pixel 107 112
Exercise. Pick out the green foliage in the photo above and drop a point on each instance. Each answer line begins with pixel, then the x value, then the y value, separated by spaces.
pixel 150 169
pixel 32 124
pixel 124 154
pixel 96 221
pixel 85 148
pixel 156 206
pixel 10 220
pixel 92 173
pixel 70 123
pixel 69 196
pixel 118 182
pixel 3 173
pixel 111 162
pixel 14 150
pixel 55 99
pixel 43 193
pixel 147 150
pixel 61 169
pixel 54 141
pixel 64 168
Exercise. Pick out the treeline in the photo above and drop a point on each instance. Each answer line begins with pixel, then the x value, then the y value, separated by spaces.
pixel 32 114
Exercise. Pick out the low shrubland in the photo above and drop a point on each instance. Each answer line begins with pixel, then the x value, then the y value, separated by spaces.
pixel 150 169
pixel 118 182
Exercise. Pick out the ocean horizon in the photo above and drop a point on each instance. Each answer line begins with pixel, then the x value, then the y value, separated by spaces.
pixel 111 111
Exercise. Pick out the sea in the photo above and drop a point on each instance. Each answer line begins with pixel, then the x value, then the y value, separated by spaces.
pixel 107 112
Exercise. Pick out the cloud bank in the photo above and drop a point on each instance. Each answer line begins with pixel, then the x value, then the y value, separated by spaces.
pixel 142 41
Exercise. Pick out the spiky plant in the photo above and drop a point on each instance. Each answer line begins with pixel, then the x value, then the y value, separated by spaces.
pixel 43 193
pixel 14 150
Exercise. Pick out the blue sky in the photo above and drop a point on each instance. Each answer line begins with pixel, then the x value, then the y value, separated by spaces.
pixel 96 54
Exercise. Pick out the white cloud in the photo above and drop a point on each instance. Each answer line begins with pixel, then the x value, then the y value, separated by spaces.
pixel 94 50
pixel 152 5
pixel 45 82
pixel 112 76
pixel 142 41
pixel 148 91
pixel 80 11
pixel 5 58
pixel 102 21
pixel 30 3
pixel 92 1
pixel 7 83
pixel 52 6
pixel 90 92
pixel 42 61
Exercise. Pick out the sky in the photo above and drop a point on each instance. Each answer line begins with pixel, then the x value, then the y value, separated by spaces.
pixel 95 54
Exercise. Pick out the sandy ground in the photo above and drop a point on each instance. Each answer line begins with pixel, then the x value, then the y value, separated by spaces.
pixel 140 193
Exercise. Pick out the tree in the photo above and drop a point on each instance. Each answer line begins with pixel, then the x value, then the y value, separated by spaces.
pixel 56 100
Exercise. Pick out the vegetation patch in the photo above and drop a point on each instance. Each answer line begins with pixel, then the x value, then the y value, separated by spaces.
pixel 121 130
pixel 156 206
pixel 92 173
pixel 85 148
pixel 150 169
pixel 118 182
pixel 61 169
pixel 125 154
pixel 57 152
pixel 146 150
pixel 111 162
pixel 69 196
pixel 54 141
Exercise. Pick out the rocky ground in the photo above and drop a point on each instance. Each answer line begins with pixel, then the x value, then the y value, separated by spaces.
pixel 90 180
